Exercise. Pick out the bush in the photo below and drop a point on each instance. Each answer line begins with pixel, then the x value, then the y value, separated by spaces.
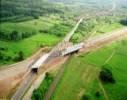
pixel 39 93
pixel 43 31
pixel 3 49
pixel 8 58
pixel 76 38
pixel 14 35
pixel 123 22
pixel 1 56
pixel 106 76
pixel 85 97
pixel 20 56
pixel 97 94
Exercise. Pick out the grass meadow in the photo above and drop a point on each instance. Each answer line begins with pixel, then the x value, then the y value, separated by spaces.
pixel 80 76
pixel 44 30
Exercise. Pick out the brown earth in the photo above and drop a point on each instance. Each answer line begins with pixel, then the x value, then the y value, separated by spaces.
pixel 53 64
pixel 9 84
pixel 12 75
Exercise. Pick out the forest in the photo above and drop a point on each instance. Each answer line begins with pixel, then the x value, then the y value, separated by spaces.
pixel 26 9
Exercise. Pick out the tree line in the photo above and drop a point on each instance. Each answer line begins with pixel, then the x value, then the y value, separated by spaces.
pixel 34 8
pixel 15 35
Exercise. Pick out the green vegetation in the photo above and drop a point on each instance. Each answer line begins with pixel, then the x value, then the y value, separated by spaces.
pixel 97 26
pixel 80 76
pixel 29 36
pixel 22 10
pixel 38 94
pixel 117 65
pixel 29 25
pixel 20 30
pixel 27 46
pixel 106 75
pixel 75 81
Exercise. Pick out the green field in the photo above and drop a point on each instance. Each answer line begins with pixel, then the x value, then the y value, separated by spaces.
pixel 96 26
pixel 40 92
pixel 45 32
pixel 80 76
pixel 43 23
pixel 28 46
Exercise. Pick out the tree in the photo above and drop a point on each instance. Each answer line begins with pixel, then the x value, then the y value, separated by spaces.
pixel 37 95
pixel 35 16
pixel 97 94
pixel 76 38
pixel 123 22
pixel 14 35
pixel 106 76
pixel 85 97
pixel 21 55
pixel 7 58
pixel 1 56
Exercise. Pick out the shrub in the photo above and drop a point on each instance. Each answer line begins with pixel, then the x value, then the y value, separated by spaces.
pixel 123 22
pixel 8 58
pixel 19 57
pixel 106 76
pixel 1 56
pixel 14 35
pixel 85 97
pixel 97 94
pixel 39 93
pixel 3 49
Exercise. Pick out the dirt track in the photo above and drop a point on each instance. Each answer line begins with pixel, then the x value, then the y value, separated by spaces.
pixel 91 44
pixel 12 75
pixel 102 40
pixel 14 69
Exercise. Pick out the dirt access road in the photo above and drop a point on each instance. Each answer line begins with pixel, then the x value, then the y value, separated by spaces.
pixel 52 55
pixel 12 75
pixel 90 44
pixel 99 41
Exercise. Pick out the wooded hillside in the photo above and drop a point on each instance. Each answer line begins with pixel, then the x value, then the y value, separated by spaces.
pixel 15 9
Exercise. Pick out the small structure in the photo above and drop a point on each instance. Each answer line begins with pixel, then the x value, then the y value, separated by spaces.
pixel 72 49
pixel 39 62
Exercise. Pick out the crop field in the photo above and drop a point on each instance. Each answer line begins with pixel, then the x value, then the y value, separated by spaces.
pixel 80 76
